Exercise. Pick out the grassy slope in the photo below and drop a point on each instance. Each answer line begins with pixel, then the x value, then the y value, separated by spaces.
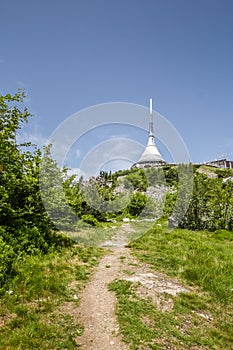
pixel 36 315
pixel 35 312
pixel 201 260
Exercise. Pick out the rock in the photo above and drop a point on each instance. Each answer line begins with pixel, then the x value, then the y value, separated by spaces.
pixel 9 292
pixel 172 222
pixel 126 220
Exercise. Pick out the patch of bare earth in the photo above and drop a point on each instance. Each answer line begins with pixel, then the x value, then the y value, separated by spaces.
pixel 6 318
pixel 97 307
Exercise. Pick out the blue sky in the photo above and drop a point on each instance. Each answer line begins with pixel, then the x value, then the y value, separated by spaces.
pixel 69 55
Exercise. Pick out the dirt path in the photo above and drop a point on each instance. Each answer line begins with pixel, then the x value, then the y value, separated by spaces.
pixel 97 308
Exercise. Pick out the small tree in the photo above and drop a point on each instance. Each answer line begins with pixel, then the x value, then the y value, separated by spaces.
pixel 22 214
pixel 136 204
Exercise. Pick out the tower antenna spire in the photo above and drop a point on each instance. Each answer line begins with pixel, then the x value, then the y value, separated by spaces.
pixel 151 119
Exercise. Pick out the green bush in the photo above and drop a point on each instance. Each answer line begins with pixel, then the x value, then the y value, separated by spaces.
pixel 136 204
pixel 7 257
pixel 90 219
pixel 138 180
pixel 211 205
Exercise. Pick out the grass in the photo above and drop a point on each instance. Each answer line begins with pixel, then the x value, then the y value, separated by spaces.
pixel 145 327
pixel 197 257
pixel 33 312
pixel 139 229
pixel 92 236
pixel 37 311
pixel 200 319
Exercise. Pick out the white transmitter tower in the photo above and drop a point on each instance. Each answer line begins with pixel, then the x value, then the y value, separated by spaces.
pixel 151 155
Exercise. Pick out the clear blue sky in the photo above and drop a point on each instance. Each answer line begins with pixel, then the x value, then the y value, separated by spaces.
pixel 69 55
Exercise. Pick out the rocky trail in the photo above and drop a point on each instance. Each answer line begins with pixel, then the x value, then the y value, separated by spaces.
pixel 97 307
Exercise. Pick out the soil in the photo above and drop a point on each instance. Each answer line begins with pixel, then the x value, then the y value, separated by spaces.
pixel 97 306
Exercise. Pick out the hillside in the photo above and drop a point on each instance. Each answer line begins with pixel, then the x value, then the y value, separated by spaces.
pixel 194 197
pixel 142 259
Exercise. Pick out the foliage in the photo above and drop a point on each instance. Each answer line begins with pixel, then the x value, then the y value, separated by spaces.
pixel 35 313
pixel 184 194
pixel 25 225
pixel 224 173
pixel 138 179
pixel 52 190
pixel 87 198
pixel 195 200
pixel 211 206
pixel 7 257
pixel 97 198
pixel 199 318
pixel 170 202
pixel 155 176
pixel 90 219
pixel 171 175
pixel 137 204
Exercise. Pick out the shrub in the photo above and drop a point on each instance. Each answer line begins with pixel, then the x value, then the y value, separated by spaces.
pixel 7 256
pixel 137 204
pixel 90 219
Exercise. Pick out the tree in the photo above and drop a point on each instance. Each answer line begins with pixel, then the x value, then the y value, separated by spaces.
pixel 24 221
pixel 137 204
pixel 211 206
pixel 53 182
pixel 184 194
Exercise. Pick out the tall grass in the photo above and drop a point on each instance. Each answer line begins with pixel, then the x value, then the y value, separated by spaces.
pixel 32 312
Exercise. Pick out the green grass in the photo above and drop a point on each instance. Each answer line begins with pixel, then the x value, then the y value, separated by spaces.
pixel 145 327
pixel 33 313
pixel 140 228
pixel 92 236
pixel 200 319
pixel 197 257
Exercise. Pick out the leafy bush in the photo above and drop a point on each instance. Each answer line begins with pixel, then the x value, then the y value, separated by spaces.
pixel 138 179
pixel 155 176
pixel 211 206
pixel 136 204
pixel 25 224
pixel 7 257
pixel 90 219
pixel 171 175
pixel 223 173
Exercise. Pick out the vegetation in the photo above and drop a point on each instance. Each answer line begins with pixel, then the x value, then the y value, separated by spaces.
pixel 36 268
pixel 211 206
pixel 207 200
pixel 200 318
pixel 25 227
pixel 35 312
